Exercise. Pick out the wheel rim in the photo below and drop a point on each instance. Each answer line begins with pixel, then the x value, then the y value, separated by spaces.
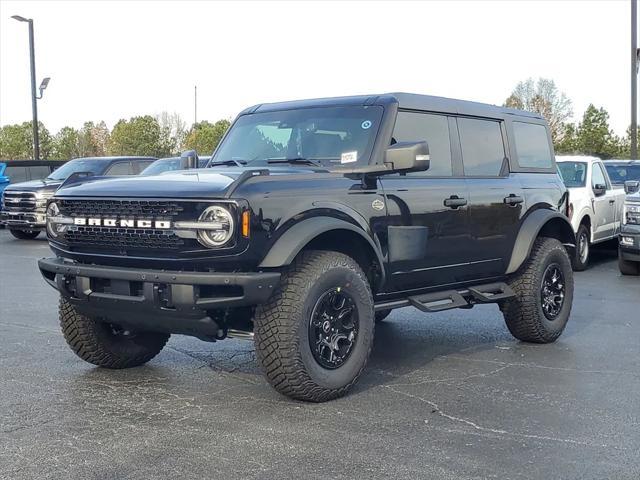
pixel 583 247
pixel 552 292
pixel 333 328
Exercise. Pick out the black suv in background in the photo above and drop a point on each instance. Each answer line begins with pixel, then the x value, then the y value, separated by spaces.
pixel 313 220
pixel 24 204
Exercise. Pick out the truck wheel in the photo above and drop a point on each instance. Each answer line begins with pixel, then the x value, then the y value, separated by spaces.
pixel 581 257
pixel 544 293
pixel 626 267
pixel 381 315
pixel 105 344
pixel 314 335
pixel 24 234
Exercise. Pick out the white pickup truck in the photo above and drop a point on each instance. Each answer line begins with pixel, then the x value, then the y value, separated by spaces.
pixel 595 204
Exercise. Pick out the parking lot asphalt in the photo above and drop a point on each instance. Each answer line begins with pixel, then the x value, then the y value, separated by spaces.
pixel 445 396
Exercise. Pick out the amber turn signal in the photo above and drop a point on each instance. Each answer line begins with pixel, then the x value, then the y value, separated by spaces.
pixel 245 223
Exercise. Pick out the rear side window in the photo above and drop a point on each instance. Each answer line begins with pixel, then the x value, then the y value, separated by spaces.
pixel 416 127
pixel 532 145
pixel 482 147
pixel 39 171
pixel 120 168
pixel 16 174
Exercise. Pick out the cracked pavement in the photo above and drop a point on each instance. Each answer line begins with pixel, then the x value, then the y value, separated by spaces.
pixel 445 396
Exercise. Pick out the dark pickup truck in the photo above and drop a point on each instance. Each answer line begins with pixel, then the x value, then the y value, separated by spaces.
pixel 312 221
pixel 24 203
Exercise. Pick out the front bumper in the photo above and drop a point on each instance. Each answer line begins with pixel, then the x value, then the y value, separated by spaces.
pixel 156 300
pixel 23 220
pixel 629 241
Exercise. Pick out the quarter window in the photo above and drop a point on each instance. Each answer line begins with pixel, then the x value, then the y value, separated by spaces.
pixel 532 145
pixel 482 147
pixel 416 127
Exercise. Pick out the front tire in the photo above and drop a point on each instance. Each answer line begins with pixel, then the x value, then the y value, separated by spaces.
pixel 583 247
pixel 627 267
pixel 544 292
pixel 107 345
pixel 24 234
pixel 313 337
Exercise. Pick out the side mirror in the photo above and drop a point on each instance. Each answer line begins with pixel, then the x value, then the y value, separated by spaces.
pixel 189 159
pixel 631 186
pixel 407 157
pixel 599 189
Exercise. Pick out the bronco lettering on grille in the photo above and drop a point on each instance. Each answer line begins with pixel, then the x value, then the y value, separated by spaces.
pixel 124 223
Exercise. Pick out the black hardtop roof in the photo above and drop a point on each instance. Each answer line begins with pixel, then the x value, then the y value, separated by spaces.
pixel 410 101
pixel 32 163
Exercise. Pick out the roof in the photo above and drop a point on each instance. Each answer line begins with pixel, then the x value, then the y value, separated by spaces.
pixel 576 158
pixel 110 159
pixel 411 101
pixel 622 161
pixel 32 163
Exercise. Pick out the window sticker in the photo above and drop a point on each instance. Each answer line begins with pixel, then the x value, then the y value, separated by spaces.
pixel 349 157
pixel 366 124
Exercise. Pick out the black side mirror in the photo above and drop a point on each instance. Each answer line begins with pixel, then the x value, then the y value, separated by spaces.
pixel 599 189
pixel 631 186
pixel 189 159
pixel 407 157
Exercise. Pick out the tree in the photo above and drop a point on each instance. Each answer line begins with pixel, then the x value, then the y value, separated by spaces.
pixel 594 136
pixel 205 136
pixel 543 97
pixel 568 143
pixel 173 131
pixel 138 136
pixel 16 141
pixel 66 144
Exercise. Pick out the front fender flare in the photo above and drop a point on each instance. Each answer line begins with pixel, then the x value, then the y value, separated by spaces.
pixel 287 247
pixel 531 228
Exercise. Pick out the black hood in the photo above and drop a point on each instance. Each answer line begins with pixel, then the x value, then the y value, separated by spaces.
pixel 35 186
pixel 196 183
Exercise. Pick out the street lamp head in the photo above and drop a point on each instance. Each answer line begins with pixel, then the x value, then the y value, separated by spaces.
pixel 45 82
pixel 20 19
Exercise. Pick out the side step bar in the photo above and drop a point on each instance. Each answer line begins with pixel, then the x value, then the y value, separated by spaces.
pixel 448 299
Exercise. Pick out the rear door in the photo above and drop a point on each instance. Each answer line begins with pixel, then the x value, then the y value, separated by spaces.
pixel 496 198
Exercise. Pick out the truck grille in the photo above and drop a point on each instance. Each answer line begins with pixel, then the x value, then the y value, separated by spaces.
pixel 19 201
pixel 122 239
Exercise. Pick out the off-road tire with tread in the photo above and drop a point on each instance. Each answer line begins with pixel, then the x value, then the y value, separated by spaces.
pixel 523 314
pixel 24 234
pixel 627 267
pixel 576 262
pixel 94 341
pixel 282 323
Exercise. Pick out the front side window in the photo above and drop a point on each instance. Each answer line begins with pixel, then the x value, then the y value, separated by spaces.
pixel 482 147
pixel 416 127
pixel 330 136
pixel 574 174
pixel 92 165
pixel 597 176
pixel 532 145
pixel 120 168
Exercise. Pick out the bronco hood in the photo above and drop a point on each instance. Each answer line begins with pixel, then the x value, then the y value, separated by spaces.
pixel 196 183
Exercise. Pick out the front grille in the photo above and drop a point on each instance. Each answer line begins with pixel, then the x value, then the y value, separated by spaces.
pixel 19 201
pixel 123 238
pixel 159 209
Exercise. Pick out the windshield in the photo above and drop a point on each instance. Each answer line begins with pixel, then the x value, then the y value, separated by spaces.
pixel 330 136
pixel 574 174
pixel 93 165
pixel 170 164
pixel 621 173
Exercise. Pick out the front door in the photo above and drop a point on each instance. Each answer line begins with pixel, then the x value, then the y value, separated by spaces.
pixel 604 205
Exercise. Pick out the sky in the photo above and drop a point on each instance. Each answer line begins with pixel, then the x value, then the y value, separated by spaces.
pixel 117 59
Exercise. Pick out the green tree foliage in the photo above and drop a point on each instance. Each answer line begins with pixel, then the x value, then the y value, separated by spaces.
pixel 138 136
pixel 16 141
pixel 205 136
pixel 66 144
pixel 173 132
pixel 594 136
pixel 543 97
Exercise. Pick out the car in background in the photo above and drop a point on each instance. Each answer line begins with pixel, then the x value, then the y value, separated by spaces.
pixel 621 171
pixel 170 164
pixel 24 204
pixel 629 244
pixel 595 206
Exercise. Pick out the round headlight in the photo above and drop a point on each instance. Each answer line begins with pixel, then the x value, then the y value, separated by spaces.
pixel 217 227
pixel 53 229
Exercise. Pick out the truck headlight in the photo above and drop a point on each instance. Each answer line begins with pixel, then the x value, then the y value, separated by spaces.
pixel 215 226
pixel 631 214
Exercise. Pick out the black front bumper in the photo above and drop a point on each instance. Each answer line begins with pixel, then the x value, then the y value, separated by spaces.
pixel 630 251
pixel 156 300
pixel 23 220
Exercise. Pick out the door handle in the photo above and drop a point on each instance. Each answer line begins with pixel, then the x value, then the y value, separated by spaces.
pixel 513 199
pixel 612 201
pixel 454 202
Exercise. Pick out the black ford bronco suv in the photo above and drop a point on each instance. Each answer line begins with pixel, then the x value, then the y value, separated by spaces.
pixel 313 220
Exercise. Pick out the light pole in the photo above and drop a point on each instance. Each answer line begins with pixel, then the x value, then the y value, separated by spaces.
pixel 43 85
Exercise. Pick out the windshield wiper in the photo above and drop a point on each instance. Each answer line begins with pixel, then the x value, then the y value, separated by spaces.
pixel 294 161
pixel 231 162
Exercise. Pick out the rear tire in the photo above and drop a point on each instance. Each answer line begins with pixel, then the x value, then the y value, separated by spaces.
pixel 544 292
pixel 104 344
pixel 580 260
pixel 322 297
pixel 24 234
pixel 627 267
